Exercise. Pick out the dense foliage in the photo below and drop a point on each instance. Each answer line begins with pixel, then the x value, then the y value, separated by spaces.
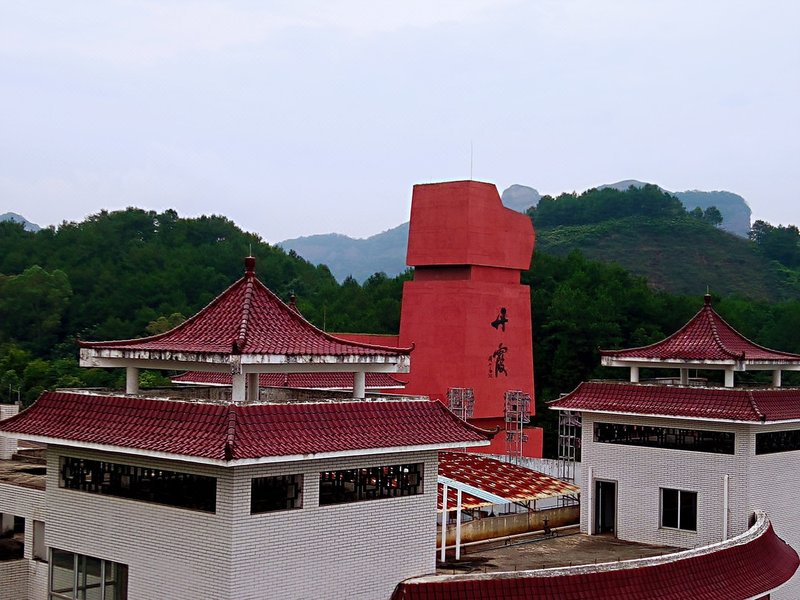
pixel 131 273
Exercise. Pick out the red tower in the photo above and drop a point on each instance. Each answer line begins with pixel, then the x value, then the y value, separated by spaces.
pixel 466 312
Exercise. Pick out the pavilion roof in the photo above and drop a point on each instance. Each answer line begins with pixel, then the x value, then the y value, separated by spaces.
pixel 718 404
pixel 706 337
pixel 247 319
pixel 321 381
pixel 510 481
pixel 748 566
pixel 229 433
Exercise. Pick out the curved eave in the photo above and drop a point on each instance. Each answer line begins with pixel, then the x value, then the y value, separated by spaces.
pixel 672 363
pixel 241 462
pixel 750 565
pixel 219 361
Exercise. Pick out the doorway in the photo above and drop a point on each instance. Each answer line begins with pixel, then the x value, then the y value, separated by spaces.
pixel 605 507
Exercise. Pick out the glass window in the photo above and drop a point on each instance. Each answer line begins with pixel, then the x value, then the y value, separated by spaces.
pixel 678 509
pixel 184 490
pixel 777 441
pixel 280 492
pixel 353 485
pixel 697 440
pixel 78 577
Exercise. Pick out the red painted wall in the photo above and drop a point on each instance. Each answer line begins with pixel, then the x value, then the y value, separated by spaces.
pixel 468 251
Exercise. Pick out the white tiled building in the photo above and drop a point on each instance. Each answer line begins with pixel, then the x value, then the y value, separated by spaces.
pixel 688 465
pixel 158 498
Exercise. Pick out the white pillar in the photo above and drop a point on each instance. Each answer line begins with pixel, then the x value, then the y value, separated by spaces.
pixel 252 387
pixel 359 384
pixel 729 378
pixel 458 525
pixel 684 376
pixel 634 374
pixel 590 502
pixel 445 490
pixel 239 389
pixel 131 380
pixel 776 378
pixel 725 496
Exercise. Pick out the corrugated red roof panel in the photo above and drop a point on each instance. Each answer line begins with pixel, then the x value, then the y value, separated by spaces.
pixel 706 337
pixel 248 318
pixel 503 479
pixel 243 431
pixel 727 404
pixel 745 570
pixel 323 381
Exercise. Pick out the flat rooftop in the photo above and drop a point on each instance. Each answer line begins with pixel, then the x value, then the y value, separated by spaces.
pixel 537 551
pixel 27 468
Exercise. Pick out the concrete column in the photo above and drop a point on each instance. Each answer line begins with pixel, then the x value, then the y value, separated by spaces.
pixel 458 525
pixel 729 378
pixel 239 389
pixel 6 523
pixel 8 444
pixel 443 549
pixel 359 384
pixel 131 380
pixel 252 387
pixel 590 502
pixel 684 376
pixel 776 378
pixel 634 374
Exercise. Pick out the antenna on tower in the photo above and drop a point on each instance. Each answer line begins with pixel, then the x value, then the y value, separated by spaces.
pixel 470 160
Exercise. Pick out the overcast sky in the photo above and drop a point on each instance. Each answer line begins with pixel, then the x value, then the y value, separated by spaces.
pixel 299 117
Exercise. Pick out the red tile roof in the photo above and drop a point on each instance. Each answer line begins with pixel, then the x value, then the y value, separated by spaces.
pixel 507 480
pixel 325 381
pixel 746 567
pixel 726 404
pixel 246 431
pixel 248 318
pixel 706 337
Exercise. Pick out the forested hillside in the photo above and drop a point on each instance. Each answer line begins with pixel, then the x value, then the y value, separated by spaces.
pixel 649 233
pixel 134 272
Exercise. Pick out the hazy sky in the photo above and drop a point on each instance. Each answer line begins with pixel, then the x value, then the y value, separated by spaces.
pixel 298 117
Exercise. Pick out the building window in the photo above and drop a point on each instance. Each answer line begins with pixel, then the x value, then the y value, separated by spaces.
pixel 39 549
pixel 353 485
pixel 777 441
pixel 717 442
pixel 678 509
pixel 276 493
pixel 184 490
pixel 78 577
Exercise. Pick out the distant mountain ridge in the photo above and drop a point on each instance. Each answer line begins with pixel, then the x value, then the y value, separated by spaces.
pixel 736 213
pixel 14 217
pixel 386 251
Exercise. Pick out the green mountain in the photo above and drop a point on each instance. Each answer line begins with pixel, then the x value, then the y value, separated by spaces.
pixel 648 232
pixel 736 213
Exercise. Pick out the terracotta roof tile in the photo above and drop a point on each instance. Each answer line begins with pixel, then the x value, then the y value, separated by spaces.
pixel 727 404
pixel 231 431
pixel 745 570
pixel 706 337
pixel 504 479
pixel 248 318
pixel 294 380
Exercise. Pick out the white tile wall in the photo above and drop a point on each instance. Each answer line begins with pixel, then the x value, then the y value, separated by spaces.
pixel 356 550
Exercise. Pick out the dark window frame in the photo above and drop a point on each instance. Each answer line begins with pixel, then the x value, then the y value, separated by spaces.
pixel 110 578
pixel 145 484
pixel 773 442
pixel 276 492
pixel 371 483
pixel 678 509
pixel 671 438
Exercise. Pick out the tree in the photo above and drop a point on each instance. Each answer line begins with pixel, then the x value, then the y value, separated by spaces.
pixel 713 216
